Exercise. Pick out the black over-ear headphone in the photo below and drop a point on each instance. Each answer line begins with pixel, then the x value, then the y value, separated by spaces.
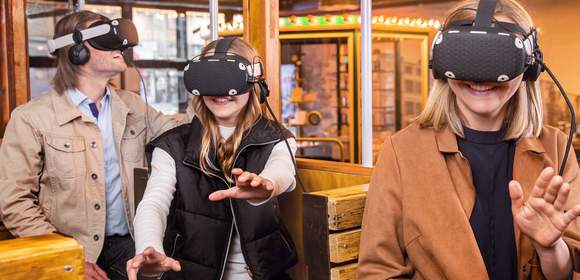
pixel 78 54
pixel 534 69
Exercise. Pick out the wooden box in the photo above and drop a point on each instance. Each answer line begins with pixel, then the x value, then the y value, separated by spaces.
pixel 332 221
pixel 41 257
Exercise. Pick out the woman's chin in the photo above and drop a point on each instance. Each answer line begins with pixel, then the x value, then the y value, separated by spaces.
pixel 483 109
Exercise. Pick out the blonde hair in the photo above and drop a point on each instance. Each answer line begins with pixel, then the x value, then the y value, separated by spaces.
pixel 211 137
pixel 524 116
pixel 66 72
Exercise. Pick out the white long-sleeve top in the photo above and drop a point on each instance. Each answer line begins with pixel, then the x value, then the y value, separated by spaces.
pixel 151 217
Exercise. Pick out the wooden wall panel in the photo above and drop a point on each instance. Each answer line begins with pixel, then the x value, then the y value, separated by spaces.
pixel 261 30
pixel 13 58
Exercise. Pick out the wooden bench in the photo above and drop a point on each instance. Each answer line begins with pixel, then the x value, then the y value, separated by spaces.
pixel 49 256
pixel 332 226
pixel 4 233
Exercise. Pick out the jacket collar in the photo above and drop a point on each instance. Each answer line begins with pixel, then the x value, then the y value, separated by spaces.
pixel 67 111
pixel 447 142
pixel 64 108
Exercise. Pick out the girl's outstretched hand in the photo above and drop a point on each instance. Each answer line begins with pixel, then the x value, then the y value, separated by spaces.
pixel 249 186
pixel 150 262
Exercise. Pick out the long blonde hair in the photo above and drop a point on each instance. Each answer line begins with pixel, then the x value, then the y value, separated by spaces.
pixel 524 116
pixel 211 136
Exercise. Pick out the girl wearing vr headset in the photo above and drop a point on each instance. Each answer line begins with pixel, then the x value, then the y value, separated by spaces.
pixel 470 190
pixel 209 210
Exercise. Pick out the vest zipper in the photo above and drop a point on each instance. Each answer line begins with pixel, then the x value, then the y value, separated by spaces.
pixel 223 269
pixel 232 207
pixel 234 224
pixel 177 235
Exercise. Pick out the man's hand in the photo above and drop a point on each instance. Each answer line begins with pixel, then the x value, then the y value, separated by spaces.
pixel 94 272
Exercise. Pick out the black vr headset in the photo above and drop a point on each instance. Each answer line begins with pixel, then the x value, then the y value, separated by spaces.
pixel 487 50
pixel 106 35
pixel 224 74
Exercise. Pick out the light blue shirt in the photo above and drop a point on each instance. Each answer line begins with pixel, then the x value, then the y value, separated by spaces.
pixel 116 218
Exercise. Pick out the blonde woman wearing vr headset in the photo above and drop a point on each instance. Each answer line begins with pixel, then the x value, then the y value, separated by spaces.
pixel 470 190
pixel 210 209
pixel 67 160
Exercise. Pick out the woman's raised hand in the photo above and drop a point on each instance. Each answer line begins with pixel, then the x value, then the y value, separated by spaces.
pixel 542 217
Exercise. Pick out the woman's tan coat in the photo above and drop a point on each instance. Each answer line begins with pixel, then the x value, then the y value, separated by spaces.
pixel 416 220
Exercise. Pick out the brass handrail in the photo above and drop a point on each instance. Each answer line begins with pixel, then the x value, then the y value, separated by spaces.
pixel 320 139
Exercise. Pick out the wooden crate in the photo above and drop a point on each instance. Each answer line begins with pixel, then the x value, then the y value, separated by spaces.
pixel 332 221
pixel 41 257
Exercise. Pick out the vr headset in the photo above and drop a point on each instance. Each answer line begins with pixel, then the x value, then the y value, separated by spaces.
pixel 485 50
pixel 105 35
pixel 223 74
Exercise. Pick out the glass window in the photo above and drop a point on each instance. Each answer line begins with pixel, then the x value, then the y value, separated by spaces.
pixel 397 84
pixel 112 12
pixel 41 19
pixel 384 112
pixel 40 30
pixel 157 34
pixel 40 80
pixel 164 89
pixel 314 90
pixel 198 33
pixel 410 57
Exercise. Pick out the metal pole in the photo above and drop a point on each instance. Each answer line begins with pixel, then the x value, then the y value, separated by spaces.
pixel 366 84
pixel 213 19
pixel 78 5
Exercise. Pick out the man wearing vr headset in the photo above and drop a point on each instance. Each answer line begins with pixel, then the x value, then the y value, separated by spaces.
pixel 67 160
pixel 471 190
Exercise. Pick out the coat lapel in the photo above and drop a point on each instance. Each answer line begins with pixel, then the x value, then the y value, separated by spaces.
pixel 458 168
pixel 529 160
pixel 461 183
